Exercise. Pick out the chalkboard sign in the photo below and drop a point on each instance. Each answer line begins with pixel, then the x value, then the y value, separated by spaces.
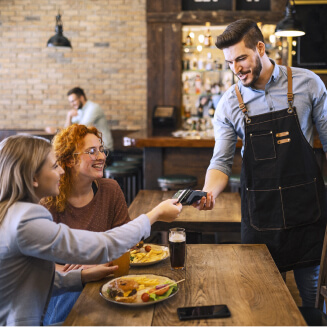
pixel 311 49
pixel 253 5
pixel 207 4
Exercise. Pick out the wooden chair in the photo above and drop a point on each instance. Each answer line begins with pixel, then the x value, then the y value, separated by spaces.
pixel 126 176
pixel 315 316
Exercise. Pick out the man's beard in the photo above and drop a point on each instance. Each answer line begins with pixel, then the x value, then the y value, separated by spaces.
pixel 255 72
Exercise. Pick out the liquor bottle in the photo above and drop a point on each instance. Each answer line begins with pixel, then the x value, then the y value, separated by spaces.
pixel 187 108
pixel 188 39
pixel 186 86
pixel 200 111
pixel 207 37
pixel 198 84
pixel 209 62
pixel 193 128
pixel 211 110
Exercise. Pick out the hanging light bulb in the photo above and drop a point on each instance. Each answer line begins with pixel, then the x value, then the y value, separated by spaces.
pixel 58 40
pixel 289 26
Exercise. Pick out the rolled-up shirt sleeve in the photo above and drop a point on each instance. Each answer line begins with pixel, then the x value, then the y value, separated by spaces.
pixel 67 281
pixel 225 138
pixel 319 108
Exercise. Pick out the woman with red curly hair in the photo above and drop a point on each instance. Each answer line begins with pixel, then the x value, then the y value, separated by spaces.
pixel 86 200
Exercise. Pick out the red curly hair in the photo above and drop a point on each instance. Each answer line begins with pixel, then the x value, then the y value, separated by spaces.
pixel 66 144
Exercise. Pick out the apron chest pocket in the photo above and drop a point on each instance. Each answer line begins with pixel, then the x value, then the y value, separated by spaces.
pixel 263 146
pixel 284 208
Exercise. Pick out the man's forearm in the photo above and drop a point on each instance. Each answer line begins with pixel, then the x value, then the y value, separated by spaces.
pixel 68 120
pixel 215 182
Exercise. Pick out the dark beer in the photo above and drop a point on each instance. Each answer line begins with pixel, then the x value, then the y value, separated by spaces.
pixel 177 247
pixel 177 254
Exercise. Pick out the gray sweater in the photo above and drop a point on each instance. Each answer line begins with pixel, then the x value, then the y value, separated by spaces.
pixel 30 243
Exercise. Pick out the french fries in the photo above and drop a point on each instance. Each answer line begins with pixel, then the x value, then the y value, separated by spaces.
pixel 155 254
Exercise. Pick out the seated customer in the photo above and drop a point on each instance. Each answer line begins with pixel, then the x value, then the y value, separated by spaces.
pixel 88 113
pixel 85 201
pixel 31 242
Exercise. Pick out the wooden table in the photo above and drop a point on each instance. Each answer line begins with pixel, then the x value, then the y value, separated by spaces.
pixel 225 217
pixel 244 277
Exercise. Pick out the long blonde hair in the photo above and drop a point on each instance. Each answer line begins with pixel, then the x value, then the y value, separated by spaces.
pixel 21 158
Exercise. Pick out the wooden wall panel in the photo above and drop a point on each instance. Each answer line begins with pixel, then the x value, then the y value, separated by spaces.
pixel 278 5
pixel 222 17
pixel 164 66
pixel 155 69
pixel 164 6
pixel 155 5
pixel 172 66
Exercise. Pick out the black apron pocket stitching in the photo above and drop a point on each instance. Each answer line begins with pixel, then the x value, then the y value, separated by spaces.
pixel 263 146
pixel 284 212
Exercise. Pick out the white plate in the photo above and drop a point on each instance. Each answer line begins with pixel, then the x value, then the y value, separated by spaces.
pixel 154 247
pixel 104 288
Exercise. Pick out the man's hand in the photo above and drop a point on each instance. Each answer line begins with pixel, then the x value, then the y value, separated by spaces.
pixel 206 203
pixel 70 114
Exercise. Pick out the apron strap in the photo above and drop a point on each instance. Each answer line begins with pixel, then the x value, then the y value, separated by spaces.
pixel 240 100
pixel 242 105
pixel 290 95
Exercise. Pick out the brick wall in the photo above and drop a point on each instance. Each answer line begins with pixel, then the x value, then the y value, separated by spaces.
pixel 108 61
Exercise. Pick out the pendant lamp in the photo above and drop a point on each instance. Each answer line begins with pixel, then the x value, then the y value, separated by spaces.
pixel 289 26
pixel 58 40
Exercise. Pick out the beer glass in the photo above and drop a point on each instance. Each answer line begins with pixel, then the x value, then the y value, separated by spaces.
pixel 177 248
pixel 123 265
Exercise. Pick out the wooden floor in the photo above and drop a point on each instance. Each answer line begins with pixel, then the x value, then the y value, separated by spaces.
pixel 290 282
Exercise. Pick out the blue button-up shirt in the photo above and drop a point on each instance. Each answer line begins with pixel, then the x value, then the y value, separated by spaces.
pixel 309 99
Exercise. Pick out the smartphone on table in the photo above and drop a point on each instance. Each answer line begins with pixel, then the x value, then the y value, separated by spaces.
pixel 203 312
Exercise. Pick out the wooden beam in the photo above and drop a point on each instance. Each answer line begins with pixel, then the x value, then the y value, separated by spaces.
pixel 221 17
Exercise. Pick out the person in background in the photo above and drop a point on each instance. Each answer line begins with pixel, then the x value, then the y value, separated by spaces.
pixel 30 242
pixel 85 201
pixel 88 113
pixel 273 110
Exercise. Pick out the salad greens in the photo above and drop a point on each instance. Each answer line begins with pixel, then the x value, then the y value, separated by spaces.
pixel 155 297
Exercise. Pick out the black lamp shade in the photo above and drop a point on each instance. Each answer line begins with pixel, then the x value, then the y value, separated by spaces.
pixel 289 26
pixel 59 40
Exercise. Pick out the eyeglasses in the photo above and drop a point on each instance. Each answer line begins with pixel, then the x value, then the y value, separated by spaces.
pixel 94 152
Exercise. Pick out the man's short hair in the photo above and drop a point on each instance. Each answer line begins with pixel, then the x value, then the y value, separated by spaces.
pixel 242 29
pixel 78 91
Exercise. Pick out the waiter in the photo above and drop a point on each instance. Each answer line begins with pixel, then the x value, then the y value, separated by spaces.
pixel 272 109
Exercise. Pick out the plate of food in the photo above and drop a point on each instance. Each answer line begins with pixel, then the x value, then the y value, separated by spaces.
pixel 139 290
pixel 145 254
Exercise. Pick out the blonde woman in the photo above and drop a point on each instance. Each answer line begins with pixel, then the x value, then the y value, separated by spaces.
pixel 85 201
pixel 30 242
